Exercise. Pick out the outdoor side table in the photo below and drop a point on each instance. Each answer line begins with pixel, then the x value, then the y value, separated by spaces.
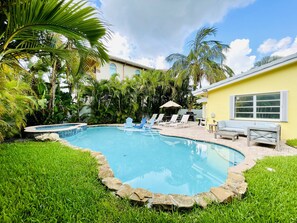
pixel 227 134
pixel 212 127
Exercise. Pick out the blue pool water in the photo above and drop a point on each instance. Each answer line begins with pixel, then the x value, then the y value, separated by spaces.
pixel 161 164
pixel 55 127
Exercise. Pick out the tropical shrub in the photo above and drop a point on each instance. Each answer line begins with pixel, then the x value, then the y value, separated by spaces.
pixel 67 33
pixel 16 101
pixel 112 101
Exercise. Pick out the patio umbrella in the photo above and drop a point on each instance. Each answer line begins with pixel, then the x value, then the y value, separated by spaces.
pixel 170 104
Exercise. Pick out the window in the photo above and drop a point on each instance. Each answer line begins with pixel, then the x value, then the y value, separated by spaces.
pixel 112 69
pixel 244 107
pixel 271 106
pixel 268 106
pixel 137 72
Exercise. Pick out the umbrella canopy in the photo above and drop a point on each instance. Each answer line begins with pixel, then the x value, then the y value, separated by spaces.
pixel 170 104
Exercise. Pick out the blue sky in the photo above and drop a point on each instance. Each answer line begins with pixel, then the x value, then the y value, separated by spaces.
pixel 259 21
pixel 148 31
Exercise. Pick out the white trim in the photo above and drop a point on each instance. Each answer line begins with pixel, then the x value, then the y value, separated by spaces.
pixel 284 106
pixel 283 117
pixel 232 107
pixel 254 106
pixel 258 119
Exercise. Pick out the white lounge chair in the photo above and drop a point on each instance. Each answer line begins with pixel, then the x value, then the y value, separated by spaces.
pixel 129 123
pixel 183 122
pixel 149 125
pixel 152 118
pixel 171 121
pixel 159 119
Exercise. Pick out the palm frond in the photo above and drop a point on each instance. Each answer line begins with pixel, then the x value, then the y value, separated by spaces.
pixel 70 18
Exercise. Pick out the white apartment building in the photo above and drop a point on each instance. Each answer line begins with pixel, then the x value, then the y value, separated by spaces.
pixel 124 68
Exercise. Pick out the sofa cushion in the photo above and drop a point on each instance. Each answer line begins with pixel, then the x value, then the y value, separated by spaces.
pixel 266 125
pixel 239 130
pixel 221 124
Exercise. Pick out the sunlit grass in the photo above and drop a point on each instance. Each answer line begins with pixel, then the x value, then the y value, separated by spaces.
pixel 292 142
pixel 47 182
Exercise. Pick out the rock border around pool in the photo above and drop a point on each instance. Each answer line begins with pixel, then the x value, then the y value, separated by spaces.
pixel 234 187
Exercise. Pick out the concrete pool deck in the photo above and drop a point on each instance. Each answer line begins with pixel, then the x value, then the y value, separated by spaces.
pixel 234 186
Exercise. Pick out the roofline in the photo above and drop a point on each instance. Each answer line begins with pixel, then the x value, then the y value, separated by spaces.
pixel 251 73
pixel 128 62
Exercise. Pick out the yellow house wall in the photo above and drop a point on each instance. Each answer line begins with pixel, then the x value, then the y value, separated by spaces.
pixel 284 78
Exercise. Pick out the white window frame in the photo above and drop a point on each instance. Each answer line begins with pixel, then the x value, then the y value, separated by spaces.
pixel 283 106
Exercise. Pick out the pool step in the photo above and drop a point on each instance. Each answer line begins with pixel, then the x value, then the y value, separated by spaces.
pixel 151 133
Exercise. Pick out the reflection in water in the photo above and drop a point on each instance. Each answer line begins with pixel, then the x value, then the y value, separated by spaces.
pixel 158 163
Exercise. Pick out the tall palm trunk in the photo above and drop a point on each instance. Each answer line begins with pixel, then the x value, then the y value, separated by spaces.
pixel 53 87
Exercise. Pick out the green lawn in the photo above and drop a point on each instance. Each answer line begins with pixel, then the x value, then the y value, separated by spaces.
pixel 292 142
pixel 47 182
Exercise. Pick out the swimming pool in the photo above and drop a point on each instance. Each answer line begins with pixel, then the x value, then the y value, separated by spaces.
pixel 160 164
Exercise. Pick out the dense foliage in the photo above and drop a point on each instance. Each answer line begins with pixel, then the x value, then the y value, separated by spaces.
pixel 47 182
pixel 65 34
pixel 112 101
pixel 266 60
pixel 48 54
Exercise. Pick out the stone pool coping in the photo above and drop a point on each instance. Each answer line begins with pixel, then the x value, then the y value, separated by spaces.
pixel 234 186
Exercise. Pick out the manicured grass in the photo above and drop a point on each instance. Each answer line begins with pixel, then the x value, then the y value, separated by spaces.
pixel 47 182
pixel 292 142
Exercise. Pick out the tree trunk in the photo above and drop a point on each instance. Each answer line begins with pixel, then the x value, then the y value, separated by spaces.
pixel 53 87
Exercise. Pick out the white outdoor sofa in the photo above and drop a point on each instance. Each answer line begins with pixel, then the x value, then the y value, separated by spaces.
pixel 256 131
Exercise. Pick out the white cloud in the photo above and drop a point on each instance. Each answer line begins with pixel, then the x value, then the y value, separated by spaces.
pixel 145 61
pixel 160 27
pixel 159 62
pixel 272 45
pixel 288 50
pixel 238 57
pixel 119 46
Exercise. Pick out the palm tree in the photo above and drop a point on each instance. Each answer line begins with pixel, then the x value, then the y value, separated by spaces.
pixel 266 60
pixel 24 28
pixel 205 59
pixel 23 23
